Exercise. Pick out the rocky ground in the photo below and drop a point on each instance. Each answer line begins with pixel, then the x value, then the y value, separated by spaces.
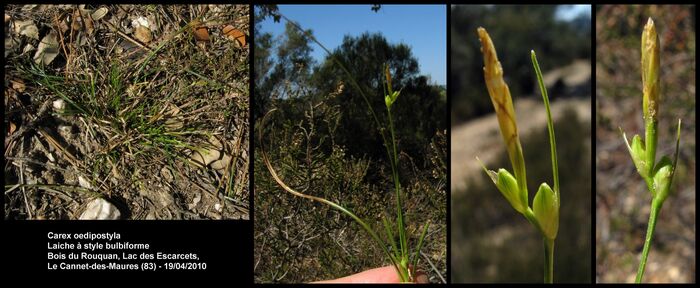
pixel 142 106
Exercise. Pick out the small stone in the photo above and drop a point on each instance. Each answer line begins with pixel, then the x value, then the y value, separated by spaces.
pixel 141 21
pixel 65 129
pixel 218 207
pixel 59 105
pixel 166 174
pixel 84 182
pixel 221 164
pixel 28 48
pixel 100 209
pixel 208 154
pixel 195 201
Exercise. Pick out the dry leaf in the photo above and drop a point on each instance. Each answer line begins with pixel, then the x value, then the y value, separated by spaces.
pixel 47 50
pixel 99 13
pixel 29 7
pixel 63 25
pixel 143 34
pixel 18 85
pixel 27 28
pixel 173 122
pixel 235 35
pixel 10 43
pixel 89 24
pixel 77 21
pixel 201 33
pixel 12 128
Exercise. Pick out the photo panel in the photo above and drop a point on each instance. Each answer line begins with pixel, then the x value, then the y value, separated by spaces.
pixel 645 144
pixel 520 196
pixel 350 151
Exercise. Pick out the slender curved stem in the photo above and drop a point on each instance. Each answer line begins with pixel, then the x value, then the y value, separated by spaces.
pixel 655 208
pixel 397 186
pixel 550 123
pixel 548 243
pixel 549 260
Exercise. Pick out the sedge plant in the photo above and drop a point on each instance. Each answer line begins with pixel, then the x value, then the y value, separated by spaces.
pixel 544 213
pixel 395 240
pixel 657 176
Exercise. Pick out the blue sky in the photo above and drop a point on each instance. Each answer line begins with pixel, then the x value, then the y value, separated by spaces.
pixel 569 12
pixel 421 27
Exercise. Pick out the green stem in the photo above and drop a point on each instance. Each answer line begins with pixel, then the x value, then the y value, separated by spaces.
pixel 549 260
pixel 655 208
pixel 550 123
pixel 651 139
pixel 530 216
pixel 399 213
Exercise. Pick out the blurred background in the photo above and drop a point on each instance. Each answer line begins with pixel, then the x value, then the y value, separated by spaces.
pixel 490 241
pixel 622 199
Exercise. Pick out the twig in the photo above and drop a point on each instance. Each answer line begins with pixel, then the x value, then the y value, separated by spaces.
pixel 12 188
pixel 21 181
pixel 127 37
pixel 58 147
pixel 57 23
pixel 427 259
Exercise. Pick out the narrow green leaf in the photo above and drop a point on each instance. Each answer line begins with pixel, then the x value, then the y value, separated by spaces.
pixel 416 256
pixel 390 235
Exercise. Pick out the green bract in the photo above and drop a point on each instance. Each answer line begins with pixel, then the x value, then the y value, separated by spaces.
pixel 389 99
pixel 638 154
pixel 509 188
pixel 546 208
pixel 506 183
pixel 662 179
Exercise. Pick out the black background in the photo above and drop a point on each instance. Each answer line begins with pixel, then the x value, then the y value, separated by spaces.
pixel 226 247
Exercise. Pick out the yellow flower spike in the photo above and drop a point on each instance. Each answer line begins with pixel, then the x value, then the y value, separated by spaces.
pixel 387 74
pixel 390 98
pixel 503 104
pixel 650 70
pixel 650 84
